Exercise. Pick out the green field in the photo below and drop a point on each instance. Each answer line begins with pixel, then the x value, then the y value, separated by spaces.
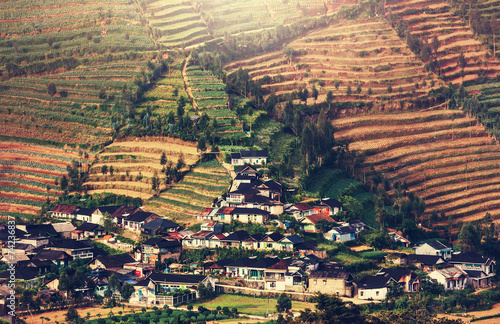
pixel 250 305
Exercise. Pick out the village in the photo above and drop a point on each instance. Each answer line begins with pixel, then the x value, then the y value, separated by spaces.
pixel 278 257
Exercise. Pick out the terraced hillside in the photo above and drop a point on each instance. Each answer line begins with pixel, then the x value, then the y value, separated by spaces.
pixel 175 22
pixel 64 66
pixel 135 163
pixel 162 98
pixel 29 174
pixel 443 155
pixel 194 193
pixel 427 19
pixel 209 97
pixel 364 52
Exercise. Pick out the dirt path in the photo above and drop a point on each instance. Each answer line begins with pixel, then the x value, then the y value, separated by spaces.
pixel 186 85
pixel 495 310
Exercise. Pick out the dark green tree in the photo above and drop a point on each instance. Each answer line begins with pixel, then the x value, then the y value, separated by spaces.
pixel 284 303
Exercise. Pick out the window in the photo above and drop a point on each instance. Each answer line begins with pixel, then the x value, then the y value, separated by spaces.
pixel 315 281
pixel 377 293
pixel 361 294
pixel 324 282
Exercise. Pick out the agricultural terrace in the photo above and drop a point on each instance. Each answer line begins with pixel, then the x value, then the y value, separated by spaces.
pixel 485 104
pixel 209 97
pixel 96 55
pixel 364 52
pixel 175 23
pixel 127 167
pixel 445 156
pixel 428 19
pixel 29 174
pixel 162 98
pixel 194 193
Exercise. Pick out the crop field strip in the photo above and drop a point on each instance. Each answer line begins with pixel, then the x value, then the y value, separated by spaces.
pixel 193 193
pixel 459 175
pixel 365 52
pixel 80 49
pixel 210 97
pixel 427 19
pixel 131 159
pixel 28 175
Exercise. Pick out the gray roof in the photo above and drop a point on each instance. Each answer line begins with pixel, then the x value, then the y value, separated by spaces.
pixel 160 223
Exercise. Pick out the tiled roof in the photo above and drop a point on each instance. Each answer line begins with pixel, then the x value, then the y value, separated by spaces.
pixel 253 154
pixel 65 209
pixel 315 218
pixel 117 260
pixel 469 257
pixel 90 227
pixel 334 274
pixel 249 211
pixel 176 278
pixel 373 282
pixel 303 206
pixel 139 216
pixel 160 223
pixel 439 245
pixel 236 236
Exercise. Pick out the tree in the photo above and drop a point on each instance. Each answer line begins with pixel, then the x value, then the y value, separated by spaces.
pixel 89 36
pixel 111 170
pixel 64 183
pixel 72 315
pixel 469 239
pixel 104 169
pixel 370 91
pixel 51 90
pixel 50 41
pixel 358 89
pixel 314 93
pixel 180 162
pixel 348 91
pixel 181 103
pixel 284 303
pixel 127 291
pixel 389 88
pixel 163 159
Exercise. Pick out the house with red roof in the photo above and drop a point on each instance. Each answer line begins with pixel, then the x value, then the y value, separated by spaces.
pixel 309 223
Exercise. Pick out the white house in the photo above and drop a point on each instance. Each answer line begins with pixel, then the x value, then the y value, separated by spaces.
pixel 341 234
pixel 374 287
pixel 478 267
pixel 435 248
pixel 249 157
pixel 451 278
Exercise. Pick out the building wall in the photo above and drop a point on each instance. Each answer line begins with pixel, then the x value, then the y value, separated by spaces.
pixel 376 294
pixel 330 286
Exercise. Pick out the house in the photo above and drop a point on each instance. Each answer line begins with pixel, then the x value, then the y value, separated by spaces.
pixel 289 242
pixel 425 263
pixel 6 234
pixel 309 223
pixel 234 239
pixel 214 227
pixel 25 277
pixel 271 189
pixel 59 258
pixel 41 266
pixel 452 278
pixel 374 287
pixel 328 206
pixel 250 215
pixel 37 235
pixel 249 157
pixel 397 236
pixel 274 207
pixel 160 226
pixel 271 241
pixel 253 242
pixel 307 263
pixel 216 240
pixel 138 219
pixel 337 282
pixel 112 262
pixel 241 194
pixel 479 268
pixel 87 230
pixel 300 210
pixel 198 240
pixel 357 224
pixel 247 170
pixel 397 258
pixel 155 289
pixel 341 234
pixel 250 268
pixel 435 248
pixel 76 248
pixel 116 212
pixel 63 211
pixel 84 214
pixel 406 279
pixel 158 249
pixel 18 248
pixel 64 229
